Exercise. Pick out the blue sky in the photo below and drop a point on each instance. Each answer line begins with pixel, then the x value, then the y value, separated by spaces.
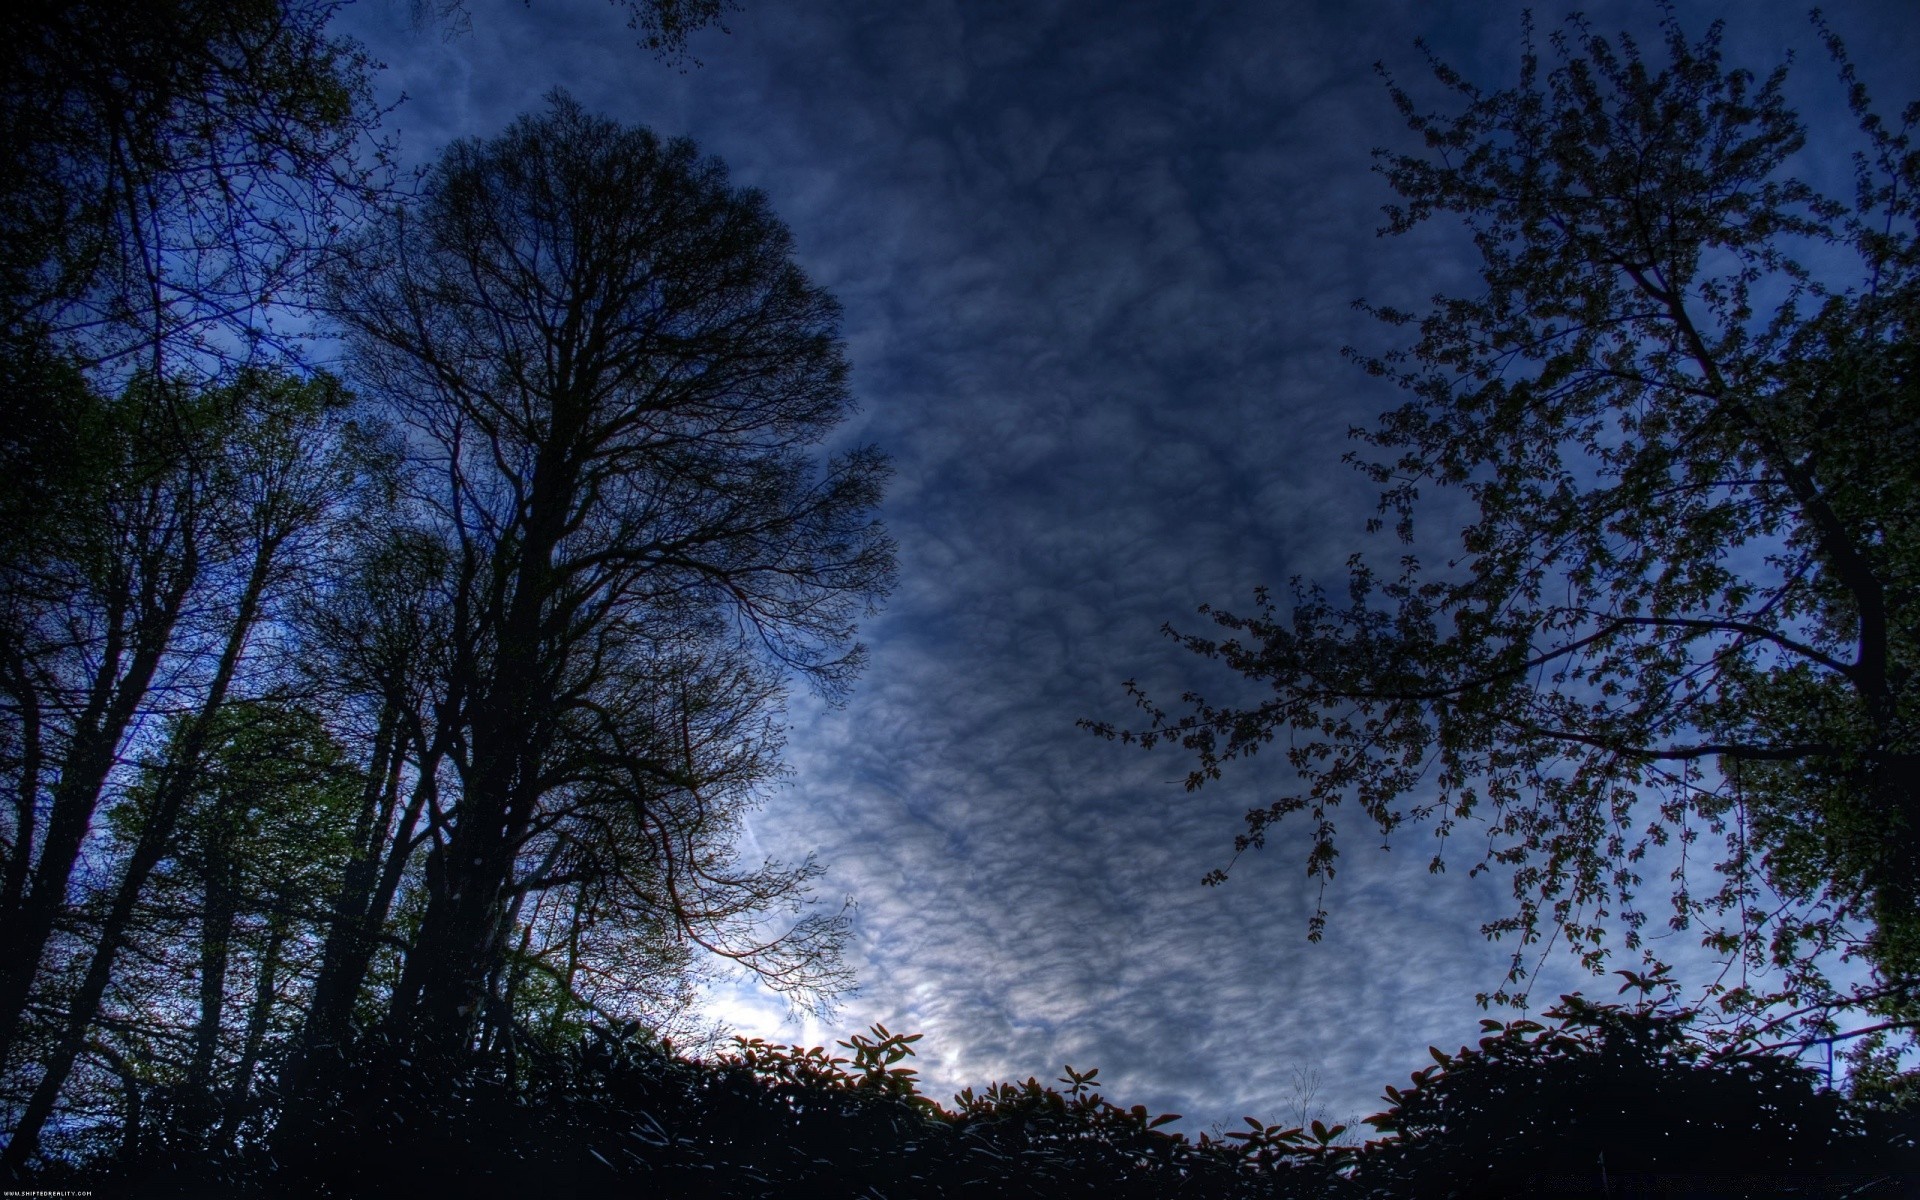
pixel 1097 262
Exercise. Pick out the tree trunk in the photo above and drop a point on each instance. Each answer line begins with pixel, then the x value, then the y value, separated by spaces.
pixel 216 936
pixel 360 912
pixel 239 1095
pixel 461 937
pixel 27 796
pixel 59 1065
pixel 112 703
pixel 175 786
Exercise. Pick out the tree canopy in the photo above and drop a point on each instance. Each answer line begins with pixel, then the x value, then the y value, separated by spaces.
pixel 1678 633
pixel 608 371
pixel 375 746
pixel 170 175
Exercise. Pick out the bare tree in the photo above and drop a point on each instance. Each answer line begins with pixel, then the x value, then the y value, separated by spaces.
pixel 609 372
pixel 170 172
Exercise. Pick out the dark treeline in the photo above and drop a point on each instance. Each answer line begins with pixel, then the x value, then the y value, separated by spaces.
pixel 1603 1100
pixel 374 740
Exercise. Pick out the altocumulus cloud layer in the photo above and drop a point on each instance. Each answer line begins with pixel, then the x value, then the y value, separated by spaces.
pixel 1097 262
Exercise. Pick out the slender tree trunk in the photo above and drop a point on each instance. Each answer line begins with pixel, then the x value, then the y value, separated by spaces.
pixel 27 790
pixel 130 1087
pixel 355 893
pixel 175 786
pixel 358 920
pixel 112 703
pixel 139 602
pixel 216 937
pixel 239 1096
pixel 59 1065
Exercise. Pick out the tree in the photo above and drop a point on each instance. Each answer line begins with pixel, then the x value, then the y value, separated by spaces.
pixel 215 958
pixel 609 372
pixel 169 172
pixel 1685 410
pixel 374 647
pixel 255 849
pixel 192 519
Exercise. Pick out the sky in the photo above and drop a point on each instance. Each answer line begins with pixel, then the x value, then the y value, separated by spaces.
pixel 1097 262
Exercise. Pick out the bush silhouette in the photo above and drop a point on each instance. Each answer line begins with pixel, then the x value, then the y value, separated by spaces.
pixel 1622 1101
pixel 1607 1100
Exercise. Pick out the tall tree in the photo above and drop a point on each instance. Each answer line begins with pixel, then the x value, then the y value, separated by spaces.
pixel 375 647
pixel 101 576
pixel 1684 406
pixel 610 373
pixel 220 947
pixel 258 844
pixel 173 573
pixel 169 173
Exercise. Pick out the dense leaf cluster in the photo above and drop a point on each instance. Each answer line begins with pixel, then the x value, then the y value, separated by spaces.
pixel 1628 1100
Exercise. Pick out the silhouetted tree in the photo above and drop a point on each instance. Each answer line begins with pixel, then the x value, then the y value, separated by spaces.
pixel 190 519
pixel 169 174
pixel 609 373
pixel 174 507
pixel 1685 407
pixel 663 26
pixel 375 649
pixel 256 847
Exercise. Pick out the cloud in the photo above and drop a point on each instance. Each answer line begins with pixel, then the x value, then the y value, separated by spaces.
pixel 1097 263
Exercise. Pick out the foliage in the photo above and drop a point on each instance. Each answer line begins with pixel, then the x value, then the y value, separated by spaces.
pixel 170 171
pixel 170 175
pixel 621 1107
pixel 242 890
pixel 1682 408
pixel 1607 1097
pixel 140 606
pixel 1626 1097
pixel 240 627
